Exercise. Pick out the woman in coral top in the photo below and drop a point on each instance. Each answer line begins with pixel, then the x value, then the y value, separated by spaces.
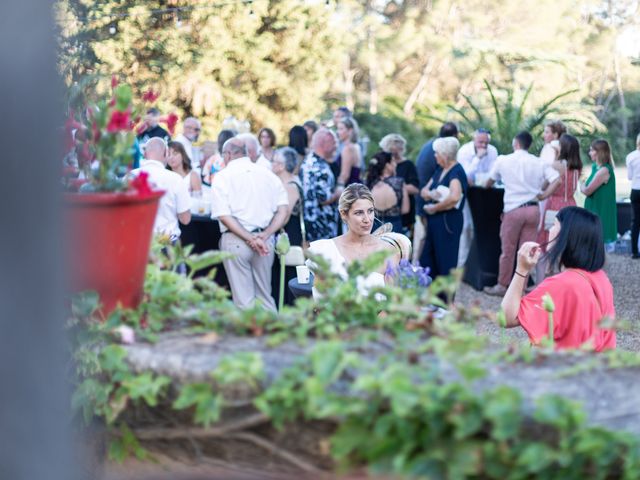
pixel 581 291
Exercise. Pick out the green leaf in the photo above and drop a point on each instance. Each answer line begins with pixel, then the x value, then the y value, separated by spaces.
pixel 123 96
pixel 206 259
pixel 147 387
pixel 536 457
pixel 208 405
pixel 502 408
pixel 84 304
pixel 326 361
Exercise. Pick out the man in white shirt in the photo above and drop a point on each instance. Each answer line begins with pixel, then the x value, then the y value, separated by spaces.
pixel 175 203
pixel 251 205
pixel 253 147
pixel 633 173
pixel 523 176
pixel 190 132
pixel 477 158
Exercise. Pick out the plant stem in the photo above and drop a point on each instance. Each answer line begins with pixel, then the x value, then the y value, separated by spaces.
pixel 281 292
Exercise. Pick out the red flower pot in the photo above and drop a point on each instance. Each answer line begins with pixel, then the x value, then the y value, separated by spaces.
pixel 109 235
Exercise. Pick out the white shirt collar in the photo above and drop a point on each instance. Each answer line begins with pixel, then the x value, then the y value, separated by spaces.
pixel 147 162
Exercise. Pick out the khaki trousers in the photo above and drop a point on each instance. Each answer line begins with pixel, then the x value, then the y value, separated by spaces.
pixel 249 273
pixel 518 226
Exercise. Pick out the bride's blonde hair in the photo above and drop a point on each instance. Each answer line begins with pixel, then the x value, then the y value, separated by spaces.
pixel 351 195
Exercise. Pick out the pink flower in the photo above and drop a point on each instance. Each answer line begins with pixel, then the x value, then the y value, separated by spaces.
pixel 114 81
pixel 126 334
pixel 150 96
pixel 119 121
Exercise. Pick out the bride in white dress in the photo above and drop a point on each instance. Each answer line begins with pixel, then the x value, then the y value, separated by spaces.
pixel 357 211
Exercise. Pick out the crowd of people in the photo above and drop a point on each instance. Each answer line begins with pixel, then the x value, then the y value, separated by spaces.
pixel 322 192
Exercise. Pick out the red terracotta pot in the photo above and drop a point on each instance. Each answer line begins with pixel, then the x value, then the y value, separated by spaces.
pixel 109 235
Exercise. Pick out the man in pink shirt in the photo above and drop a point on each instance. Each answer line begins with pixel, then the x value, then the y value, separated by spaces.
pixel 523 176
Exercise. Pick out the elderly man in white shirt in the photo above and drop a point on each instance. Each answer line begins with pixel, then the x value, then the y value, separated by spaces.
pixel 251 205
pixel 253 150
pixel 633 173
pixel 477 158
pixel 190 132
pixel 175 203
pixel 523 176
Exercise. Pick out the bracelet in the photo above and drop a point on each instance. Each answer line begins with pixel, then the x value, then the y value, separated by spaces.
pixel 519 274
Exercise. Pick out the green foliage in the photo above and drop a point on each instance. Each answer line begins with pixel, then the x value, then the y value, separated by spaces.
pixel 389 120
pixel 507 112
pixel 401 386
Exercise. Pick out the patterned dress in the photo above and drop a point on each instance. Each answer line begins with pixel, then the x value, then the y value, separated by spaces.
pixel 318 184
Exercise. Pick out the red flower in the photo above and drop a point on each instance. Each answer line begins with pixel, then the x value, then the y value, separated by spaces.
pixel 150 96
pixel 171 121
pixel 114 81
pixel 119 121
pixel 141 184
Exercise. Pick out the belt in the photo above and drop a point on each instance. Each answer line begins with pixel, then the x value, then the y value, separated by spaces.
pixel 532 203
pixel 257 230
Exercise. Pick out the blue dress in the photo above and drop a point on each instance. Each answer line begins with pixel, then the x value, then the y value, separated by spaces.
pixel 440 251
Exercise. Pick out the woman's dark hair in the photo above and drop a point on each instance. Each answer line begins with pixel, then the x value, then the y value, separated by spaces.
pixel 376 167
pixel 186 161
pixel 570 151
pixel 580 242
pixel 298 140
pixel 272 136
pixel 223 136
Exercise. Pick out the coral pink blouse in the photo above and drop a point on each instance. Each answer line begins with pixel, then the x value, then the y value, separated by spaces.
pixel 581 300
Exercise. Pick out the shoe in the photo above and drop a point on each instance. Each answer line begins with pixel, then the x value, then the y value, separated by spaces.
pixel 635 255
pixel 497 290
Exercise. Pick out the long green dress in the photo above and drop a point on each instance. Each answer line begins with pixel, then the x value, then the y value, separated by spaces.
pixel 602 202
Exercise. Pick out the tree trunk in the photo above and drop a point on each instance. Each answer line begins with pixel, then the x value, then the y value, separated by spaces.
pixel 419 88
pixel 373 73
pixel 624 123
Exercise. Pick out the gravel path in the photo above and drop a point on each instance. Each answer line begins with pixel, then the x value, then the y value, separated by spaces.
pixel 624 274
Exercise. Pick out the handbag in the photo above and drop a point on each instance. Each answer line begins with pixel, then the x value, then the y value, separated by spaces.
pixel 295 256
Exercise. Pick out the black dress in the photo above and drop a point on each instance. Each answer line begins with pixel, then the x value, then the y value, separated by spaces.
pixel 392 215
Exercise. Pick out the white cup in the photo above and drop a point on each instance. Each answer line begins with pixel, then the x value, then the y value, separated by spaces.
pixel 302 271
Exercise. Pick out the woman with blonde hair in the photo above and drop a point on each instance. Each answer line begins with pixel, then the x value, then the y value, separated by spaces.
pixel 357 210
pixel 347 164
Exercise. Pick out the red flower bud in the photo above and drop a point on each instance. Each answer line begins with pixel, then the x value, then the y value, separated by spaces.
pixel 118 122
pixel 150 96
pixel 172 120
pixel 114 81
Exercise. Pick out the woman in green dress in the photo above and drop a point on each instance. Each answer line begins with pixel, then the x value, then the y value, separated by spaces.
pixel 600 189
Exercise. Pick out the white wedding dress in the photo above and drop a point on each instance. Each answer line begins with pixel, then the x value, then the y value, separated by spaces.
pixel 329 250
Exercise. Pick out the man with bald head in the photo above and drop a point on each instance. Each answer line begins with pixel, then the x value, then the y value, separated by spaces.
pixel 253 150
pixel 175 203
pixel 251 204
pixel 190 132
pixel 318 186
